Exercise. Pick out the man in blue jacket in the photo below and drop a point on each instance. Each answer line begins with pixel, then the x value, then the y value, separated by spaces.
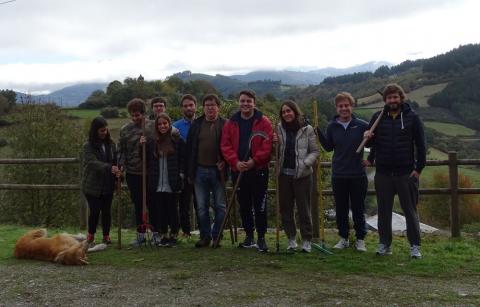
pixel 188 103
pixel 399 153
pixel 349 180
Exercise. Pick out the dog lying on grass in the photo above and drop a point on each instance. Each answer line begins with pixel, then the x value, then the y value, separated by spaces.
pixel 62 248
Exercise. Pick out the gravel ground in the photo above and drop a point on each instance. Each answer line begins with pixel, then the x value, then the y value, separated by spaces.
pixel 46 284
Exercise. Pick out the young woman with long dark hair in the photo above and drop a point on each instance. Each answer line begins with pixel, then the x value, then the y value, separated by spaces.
pixel 165 164
pixel 99 173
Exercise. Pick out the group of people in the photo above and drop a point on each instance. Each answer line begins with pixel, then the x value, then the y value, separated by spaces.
pixel 192 158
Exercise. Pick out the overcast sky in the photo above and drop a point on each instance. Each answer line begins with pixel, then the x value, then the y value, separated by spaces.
pixel 47 44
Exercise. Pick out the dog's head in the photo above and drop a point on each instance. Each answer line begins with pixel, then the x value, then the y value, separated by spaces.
pixel 75 255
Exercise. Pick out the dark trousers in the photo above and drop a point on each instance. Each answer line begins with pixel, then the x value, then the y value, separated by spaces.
pixel 184 206
pixel 252 197
pixel 165 212
pixel 97 205
pixel 349 193
pixel 134 183
pixel 295 192
pixel 406 188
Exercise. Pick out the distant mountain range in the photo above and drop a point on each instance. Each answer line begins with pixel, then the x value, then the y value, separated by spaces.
pixel 72 96
pixel 311 77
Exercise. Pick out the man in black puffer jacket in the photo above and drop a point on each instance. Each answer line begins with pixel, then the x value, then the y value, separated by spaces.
pixel 399 152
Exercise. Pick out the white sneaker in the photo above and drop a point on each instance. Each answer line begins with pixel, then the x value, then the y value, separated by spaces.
pixel 360 246
pixel 292 245
pixel 383 250
pixel 306 246
pixel 343 243
pixel 415 252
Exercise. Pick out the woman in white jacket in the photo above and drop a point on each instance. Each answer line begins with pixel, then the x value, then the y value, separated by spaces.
pixel 298 151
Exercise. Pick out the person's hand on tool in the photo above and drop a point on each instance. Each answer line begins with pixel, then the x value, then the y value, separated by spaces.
pixel 242 166
pixel 275 137
pixel 220 165
pixel 143 139
pixel 366 163
pixel 368 134
pixel 250 164
pixel 116 171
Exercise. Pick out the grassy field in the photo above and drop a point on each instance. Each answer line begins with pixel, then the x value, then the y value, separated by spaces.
pixel 435 154
pixel 450 129
pixel 421 95
pixel 447 275
pixel 83 113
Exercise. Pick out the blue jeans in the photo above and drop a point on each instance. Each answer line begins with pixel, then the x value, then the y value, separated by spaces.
pixel 206 183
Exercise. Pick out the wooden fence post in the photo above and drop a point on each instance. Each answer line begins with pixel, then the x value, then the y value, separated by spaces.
pixel 82 202
pixel 314 198
pixel 454 209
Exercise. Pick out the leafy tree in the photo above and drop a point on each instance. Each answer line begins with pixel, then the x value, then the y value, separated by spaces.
pixel 97 99
pixel 7 101
pixel 382 71
pixel 110 112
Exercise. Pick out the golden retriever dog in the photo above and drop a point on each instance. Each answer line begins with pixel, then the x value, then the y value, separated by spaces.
pixel 62 248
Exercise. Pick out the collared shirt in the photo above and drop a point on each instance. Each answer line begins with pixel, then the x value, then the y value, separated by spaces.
pixel 183 125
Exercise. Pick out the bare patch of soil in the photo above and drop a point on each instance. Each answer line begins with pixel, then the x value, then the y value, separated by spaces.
pixel 35 284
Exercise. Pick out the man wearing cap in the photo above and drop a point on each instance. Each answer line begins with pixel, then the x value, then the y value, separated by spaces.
pixel 252 160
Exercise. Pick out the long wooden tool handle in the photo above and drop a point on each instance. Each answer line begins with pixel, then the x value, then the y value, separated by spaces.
pixel 119 212
pixel 277 193
pixel 144 172
pixel 228 210
pixel 372 129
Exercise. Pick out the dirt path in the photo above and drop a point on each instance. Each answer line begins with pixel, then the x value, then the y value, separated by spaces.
pixel 36 284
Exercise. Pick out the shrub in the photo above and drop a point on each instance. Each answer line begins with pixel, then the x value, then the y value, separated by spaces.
pixel 435 210
pixel 110 112
pixel 42 131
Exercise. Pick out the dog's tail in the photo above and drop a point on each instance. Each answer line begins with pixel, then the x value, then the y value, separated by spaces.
pixel 97 248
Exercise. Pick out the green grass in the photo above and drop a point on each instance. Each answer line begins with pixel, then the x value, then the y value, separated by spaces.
pixel 435 154
pixel 87 113
pixel 450 129
pixel 83 113
pixel 421 95
pixel 443 257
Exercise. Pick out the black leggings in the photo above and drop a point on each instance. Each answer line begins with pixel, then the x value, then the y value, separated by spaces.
pixel 96 205
pixel 164 212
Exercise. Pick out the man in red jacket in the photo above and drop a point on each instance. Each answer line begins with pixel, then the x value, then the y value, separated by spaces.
pixel 251 159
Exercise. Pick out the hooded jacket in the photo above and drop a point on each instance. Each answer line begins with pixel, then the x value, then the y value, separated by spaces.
pixel 398 145
pixel 261 148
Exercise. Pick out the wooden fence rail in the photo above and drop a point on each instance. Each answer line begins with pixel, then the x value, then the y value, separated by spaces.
pixel 453 190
